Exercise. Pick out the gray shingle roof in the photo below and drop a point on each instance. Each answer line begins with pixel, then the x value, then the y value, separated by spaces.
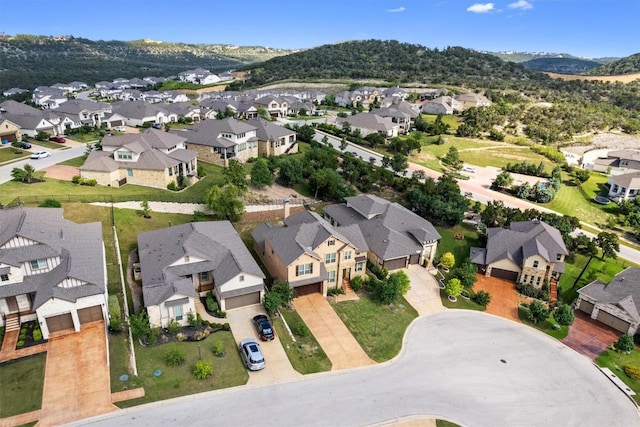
pixel 627 180
pixel 216 243
pixel 209 132
pixel 137 109
pixel 79 247
pixel 267 131
pixel 621 294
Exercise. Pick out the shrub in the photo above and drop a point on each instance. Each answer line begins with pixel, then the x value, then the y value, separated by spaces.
pixel 357 283
pixel 203 370
pixel 76 179
pixel 20 343
pixel 200 335
pixel 564 315
pixel 380 272
pixel 483 298
pixel 211 303
pixel 271 302
pixel 37 335
pixel 154 334
pixel 172 186
pixel 181 337
pixel 538 312
pixel 301 330
pixel 632 371
pixel 173 327
pixel 218 348
pixel 174 357
pixel 50 203
pixel 335 291
pixel 531 291
pixel 453 288
pixel 194 320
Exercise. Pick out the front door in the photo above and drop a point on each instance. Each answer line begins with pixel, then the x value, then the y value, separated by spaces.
pixel 177 312
pixel 12 303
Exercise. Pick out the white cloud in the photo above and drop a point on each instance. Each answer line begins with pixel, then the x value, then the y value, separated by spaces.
pixel 521 4
pixel 399 9
pixel 481 8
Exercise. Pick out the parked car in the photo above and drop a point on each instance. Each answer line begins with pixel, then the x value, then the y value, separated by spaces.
pixel 40 155
pixel 469 169
pixel 58 139
pixel 265 331
pixel 156 126
pixel 25 145
pixel 120 128
pixel 251 354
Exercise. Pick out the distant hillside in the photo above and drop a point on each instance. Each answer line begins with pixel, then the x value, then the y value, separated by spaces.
pixel 628 65
pixel 30 61
pixel 391 61
pixel 561 65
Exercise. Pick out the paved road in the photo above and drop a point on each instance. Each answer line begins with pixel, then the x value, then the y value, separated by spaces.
pixel 451 367
pixel 57 156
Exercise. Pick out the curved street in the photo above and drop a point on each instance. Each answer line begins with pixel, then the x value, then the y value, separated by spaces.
pixel 468 367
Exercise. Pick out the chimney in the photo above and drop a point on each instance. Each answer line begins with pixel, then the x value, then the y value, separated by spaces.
pixel 287 208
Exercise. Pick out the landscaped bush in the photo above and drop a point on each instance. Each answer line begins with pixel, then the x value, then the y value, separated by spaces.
pixel 380 272
pixel 139 325
pixel 538 312
pixel 211 303
pixel 632 371
pixel 173 327
pixel 335 291
pixel 172 186
pixel 564 315
pixel 194 320
pixel 76 179
pixel 533 292
pixel 154 334
pixel 218 348
pixel 20 343
pixel 203 370
pixel 483 298
pixel 357 283
pixel 200 335
pixel 301 330
pixel 50 203
pixel 174 357
pixel 37 335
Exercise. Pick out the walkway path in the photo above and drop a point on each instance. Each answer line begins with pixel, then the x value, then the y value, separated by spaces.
pixel 333 336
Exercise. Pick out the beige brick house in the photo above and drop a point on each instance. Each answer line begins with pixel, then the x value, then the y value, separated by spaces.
pixel 274 140
pixel 309 254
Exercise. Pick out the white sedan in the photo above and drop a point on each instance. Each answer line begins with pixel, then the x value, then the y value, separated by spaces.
pixel 40 155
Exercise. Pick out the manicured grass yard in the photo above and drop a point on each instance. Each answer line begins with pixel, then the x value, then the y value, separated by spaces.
pixel 75 162
pixel 119 361
pixel 458 247
pixel 378 328
pixel 547 326
pixel 616 362
pixel 598 270
pixel 499 157
pixel 22 383
pixel 461 303
pixel 306 355
pixel 228 371
pixel 448 119
pixel 8 153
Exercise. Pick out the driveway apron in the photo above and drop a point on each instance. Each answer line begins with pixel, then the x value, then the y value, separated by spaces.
pixel 333 336
pixel 424 294
pixel 504 296
pixel 76 383
pixel 589 337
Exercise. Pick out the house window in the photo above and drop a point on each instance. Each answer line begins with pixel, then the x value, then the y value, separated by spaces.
pixel 186 258
pixel 4 277
pixel 241 278
pixel 331 242
pixel 129 172
pixel 535 264
pixel 538 281
pixel 170 171
pixel 525 278
pixel 204 276
pixel 38 264
pixel 330 258
pixel 359 266
pixel 531 280
pixel 177 312
pixel 558 257
pixel 347 255
pixel 332 276
pixel 304 269
pixel 124 155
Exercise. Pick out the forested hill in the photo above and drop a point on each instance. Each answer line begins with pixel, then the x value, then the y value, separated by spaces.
pixel 561 65
pixel 627 65
pixel 391 61
pixel 29 61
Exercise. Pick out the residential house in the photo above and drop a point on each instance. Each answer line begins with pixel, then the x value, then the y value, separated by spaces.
pixel 184 110
pixel 217 141
pixel 182 263
pixel 84 111
pixel 400 113
pixel 276 107
pixel 428 94
pixel 472 99
pixel 442 105
pixel 199 76
pixel 48 97
pixel 616 304
pixel 625 186
pixel 30 125
pixel 528 252
pixel 618 161
pixel 137 113
pixel 173 96
pixel 9 131
pixel 13 91
pixel 369 123
pixel 274 140
pixel 395 236
pixel 309 254
pixel 52 271
pixel 152 158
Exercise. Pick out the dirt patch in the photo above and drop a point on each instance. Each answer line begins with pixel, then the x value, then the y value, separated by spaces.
pixel 627 78
pixel 61 172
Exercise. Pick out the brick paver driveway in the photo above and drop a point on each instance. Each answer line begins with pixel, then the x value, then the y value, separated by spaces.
pixel 504 297
pixel 588 337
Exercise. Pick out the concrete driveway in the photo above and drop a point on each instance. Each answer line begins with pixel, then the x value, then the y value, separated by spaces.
pixel 333 336
pixel 504 297
pixel 424 294
pixel 588 337
pixel 277 365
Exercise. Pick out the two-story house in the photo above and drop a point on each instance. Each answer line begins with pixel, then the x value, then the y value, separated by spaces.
pixel 217 141
pixel 369 123
pixel 152 158
pixel 179 264
pixel 276 107
pixel 400 113
pixel 52 271
pixel 274 140
pixel 529 252
pixel 137 113
pixel 309 254
pixel 84 111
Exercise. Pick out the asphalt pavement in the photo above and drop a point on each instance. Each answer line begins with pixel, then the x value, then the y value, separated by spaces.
pixel 468 367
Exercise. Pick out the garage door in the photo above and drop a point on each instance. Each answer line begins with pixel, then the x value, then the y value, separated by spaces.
pixel 242 300
pixel 90 314
pixel 614 322
pixel 414 259
pixel 60 323
pixel 116 123
pixel 313 288
pixel 394 264
pixel 504 274
pixel 586 306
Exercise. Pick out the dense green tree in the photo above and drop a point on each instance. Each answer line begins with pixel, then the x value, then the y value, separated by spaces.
pixel 290 172
pixel 452 159
pixel 305 133
pixel 466 273
pixel 564 314
pixel 502 180
pixel 538 312
pixel 261 176
pixel 235 174
pixel 224 202
pixel 453 288
pixel 624 344
pixel 608 244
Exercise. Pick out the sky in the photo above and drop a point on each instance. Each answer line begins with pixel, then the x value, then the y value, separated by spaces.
pixel 587 28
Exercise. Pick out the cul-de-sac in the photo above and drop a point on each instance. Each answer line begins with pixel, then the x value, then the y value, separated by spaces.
pixel 356 233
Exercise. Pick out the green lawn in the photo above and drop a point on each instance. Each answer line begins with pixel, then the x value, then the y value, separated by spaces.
pixel 65 191
pixel 448 119
pixel 616 362
pixel 460 303
pixel 306 355
pixel 598 270
pixel 8 154
pixel 49 145
pixel 75 162
pixel 548 326
pixel 458 247
pixel 228 371
pixel 22 383
pixel 378 328
pixel 86 137
pixel 499 157
pixel 119 361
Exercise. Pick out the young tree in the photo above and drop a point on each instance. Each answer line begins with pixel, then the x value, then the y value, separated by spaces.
pixel 453 288
pixel 452 158
pixel 466 273
pixel 399 163
pixel 24 175
pixel 624 344
pixel 224 202
pixel 538 312
pixel 343 144
pixel 608 243
pixel 146 210
pixel 564 315
pixel 447 260
pixel 286 292
pixel 261 176
pixel 503 180
pixel 234 174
